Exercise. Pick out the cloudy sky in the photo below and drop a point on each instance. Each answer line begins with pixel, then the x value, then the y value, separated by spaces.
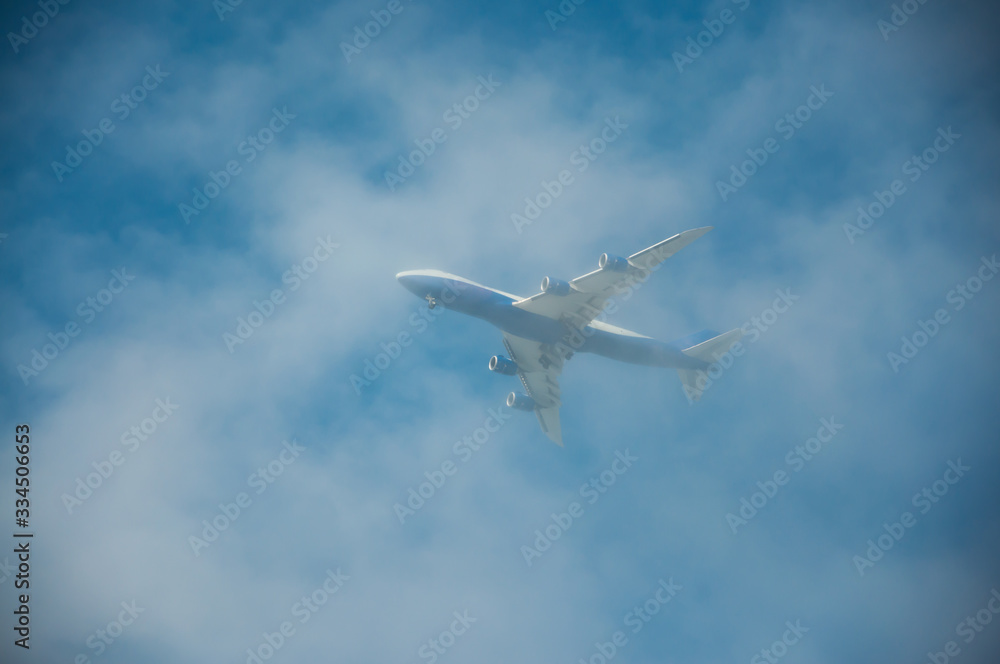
pixel 205 206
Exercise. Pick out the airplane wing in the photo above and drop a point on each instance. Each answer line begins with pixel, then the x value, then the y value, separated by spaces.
pixel 587 294
pixel 538 367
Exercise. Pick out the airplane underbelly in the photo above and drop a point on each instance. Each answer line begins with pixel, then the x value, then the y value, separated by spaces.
pixel 638 350
pixel 527 325
pixel 625 348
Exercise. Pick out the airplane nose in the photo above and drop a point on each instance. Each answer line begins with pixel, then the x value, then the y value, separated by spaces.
pixel 412 282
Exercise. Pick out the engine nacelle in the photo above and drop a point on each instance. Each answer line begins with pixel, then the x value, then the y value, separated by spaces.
pixel 503 365
pixel 520 401
pixel 611 262
pixel 555 286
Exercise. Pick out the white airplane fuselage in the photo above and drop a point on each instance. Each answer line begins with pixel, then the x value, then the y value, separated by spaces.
pixel 496 307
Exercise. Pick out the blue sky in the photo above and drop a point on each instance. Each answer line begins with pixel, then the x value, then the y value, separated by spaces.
pixel 305 209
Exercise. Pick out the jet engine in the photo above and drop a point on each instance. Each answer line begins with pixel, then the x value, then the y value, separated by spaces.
pixel 503 365
pixel 610 262
pixel 555 286
pixel 520 401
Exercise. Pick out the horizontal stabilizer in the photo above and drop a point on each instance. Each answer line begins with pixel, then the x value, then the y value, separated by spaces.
pixel 690 340
pixel 708 351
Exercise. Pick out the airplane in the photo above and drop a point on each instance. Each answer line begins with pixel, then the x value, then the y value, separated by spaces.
pixel 542 332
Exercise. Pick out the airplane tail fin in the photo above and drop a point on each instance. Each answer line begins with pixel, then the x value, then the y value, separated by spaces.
pixel 707 351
